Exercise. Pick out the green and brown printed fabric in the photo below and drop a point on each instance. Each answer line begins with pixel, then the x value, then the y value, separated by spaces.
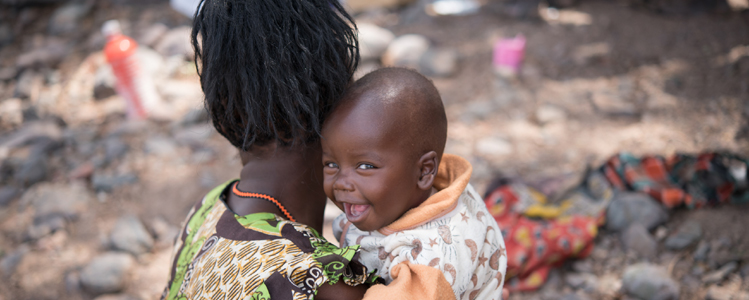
pixel 221 255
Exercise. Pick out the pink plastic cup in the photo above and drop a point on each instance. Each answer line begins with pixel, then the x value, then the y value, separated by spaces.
pixel 508 55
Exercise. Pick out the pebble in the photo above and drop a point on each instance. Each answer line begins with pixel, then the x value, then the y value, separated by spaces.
pixel 176 42
pixel 405 51
pixel 7 73
pixel 6 34
pixel 151 35
pixel 493 146
pixel 130 235
pixel 649 282
pixel 700 254
pixel 195 116
pixel 550 114
pixel 160 145
pixel 745 271
pixel 48 55
pixel 636 238
pixel 373 41
pixel 107 183
pixel 58 199
pixel 165 232
pixel 65 19
pixel 195 135
pixel 627 208
pixel 583 266
pixel 661 233
pixel 585 281
pixel 10 261
pixel 117 297
pixel 11 112
pixel 720 274
pixel 8 194
pixel 28 83
pixel 114 149
pixel 72 282
pixel 45 226
pixel 438 62
pixel 689 233
pixel 106 273
pixel 35 169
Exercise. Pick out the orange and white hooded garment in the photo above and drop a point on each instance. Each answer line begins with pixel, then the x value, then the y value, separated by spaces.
pixel 449 242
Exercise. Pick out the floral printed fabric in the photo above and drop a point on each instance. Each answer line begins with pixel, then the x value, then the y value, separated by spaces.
pixel 221 255
pixel 465 244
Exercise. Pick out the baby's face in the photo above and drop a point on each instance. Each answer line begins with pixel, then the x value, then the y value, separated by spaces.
pixel 367 172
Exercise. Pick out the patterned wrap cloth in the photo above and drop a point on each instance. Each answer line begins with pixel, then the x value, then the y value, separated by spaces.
pixel 221 255
pixel 540 236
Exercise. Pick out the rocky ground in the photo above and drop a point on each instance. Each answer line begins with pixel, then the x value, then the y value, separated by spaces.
pixel 90 202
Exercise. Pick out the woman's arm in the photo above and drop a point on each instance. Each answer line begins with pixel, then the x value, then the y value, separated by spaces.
pixel 340 291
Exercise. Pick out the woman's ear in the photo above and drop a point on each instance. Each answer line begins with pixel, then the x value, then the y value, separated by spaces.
pixel 428 164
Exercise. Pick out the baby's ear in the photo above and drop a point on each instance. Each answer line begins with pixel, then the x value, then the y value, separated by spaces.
pixel 428 164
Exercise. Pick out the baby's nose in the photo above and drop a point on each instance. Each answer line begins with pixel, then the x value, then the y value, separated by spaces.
pixel 342 184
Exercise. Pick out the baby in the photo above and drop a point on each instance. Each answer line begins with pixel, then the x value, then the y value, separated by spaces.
pixel 405 202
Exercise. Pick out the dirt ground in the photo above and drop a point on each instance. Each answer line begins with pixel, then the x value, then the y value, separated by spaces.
pixel 602 78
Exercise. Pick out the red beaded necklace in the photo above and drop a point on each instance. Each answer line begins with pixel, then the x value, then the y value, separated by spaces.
pixel 280 206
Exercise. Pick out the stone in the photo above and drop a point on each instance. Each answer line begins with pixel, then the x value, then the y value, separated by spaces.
pixel 661 233
pixel 29 132
pixel 356 6
pixel 195 135
pixel 67 200
pixel 106 273
pixel 34 170
pixel 104 82
pixel 72 282
pixel 8 194
pixel 700 254
pixel 406 51
pixel 176 42
pixel 585 281
pixel 636 238
pixel 114 148
pixel 117 297
pixel 28 84
pixel 151 35
pixel 8 73
pixel 438 62
pixel 718 275
pixel 627 208
pixel 6 34
pixel 689 233
pixel 195 116
pixel 583 266
pixel 107 183
pixel 10 261
pixel 11 112
pixel 698 270
pixel 649 282
pixel 373 41
pixel 66 18
pixel 160 145
pixel 550 114
pixel 745 271
pixel 493 146
pixel 130 235
pixel 165 233
pixel 50 54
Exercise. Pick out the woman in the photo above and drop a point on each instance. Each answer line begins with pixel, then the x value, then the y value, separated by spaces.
pixel 271 71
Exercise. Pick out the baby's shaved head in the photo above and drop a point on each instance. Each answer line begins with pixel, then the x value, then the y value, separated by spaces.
pixel 409 105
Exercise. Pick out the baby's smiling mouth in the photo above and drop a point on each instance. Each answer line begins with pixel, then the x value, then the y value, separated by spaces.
pixel 355 212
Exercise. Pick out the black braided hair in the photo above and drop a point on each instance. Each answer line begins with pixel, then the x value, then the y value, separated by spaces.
pixel 272 70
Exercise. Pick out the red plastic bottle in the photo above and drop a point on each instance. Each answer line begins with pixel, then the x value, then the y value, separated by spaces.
pixel 120 54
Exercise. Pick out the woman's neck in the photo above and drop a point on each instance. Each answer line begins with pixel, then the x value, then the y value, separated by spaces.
pixel 291 175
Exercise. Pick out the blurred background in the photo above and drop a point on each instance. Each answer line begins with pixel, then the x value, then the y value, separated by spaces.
pixel 91 198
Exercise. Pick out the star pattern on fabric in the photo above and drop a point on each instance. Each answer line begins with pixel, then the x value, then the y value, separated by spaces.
pixel 502 251
pixel 465 217
pixel 482 260
pixel 433 242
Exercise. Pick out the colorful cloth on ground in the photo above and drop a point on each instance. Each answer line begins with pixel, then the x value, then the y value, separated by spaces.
pixel 462 241
pixel 221 255
pixel 536 246
pixel 694 181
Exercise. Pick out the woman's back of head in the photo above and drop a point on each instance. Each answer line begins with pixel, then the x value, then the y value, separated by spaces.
pixel 272 71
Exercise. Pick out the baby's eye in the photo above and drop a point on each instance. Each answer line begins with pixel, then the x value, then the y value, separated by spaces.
pixel 365 167
pixel 331 165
